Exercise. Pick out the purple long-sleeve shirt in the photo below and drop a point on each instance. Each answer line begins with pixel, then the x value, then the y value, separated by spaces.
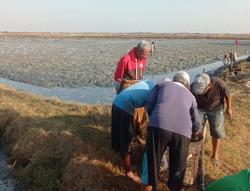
pixel 172 107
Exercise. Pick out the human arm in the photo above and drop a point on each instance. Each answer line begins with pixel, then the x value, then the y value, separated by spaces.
pixel 120 69
pixel 228 99
pixel 152 100
pixel 196 125
pixel 229 106
pixel 119 73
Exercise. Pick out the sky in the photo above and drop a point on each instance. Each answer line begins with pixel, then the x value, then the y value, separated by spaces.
pixel 158 16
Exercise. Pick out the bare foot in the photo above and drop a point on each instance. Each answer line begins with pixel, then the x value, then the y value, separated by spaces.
pixel 133 177
pixel 215 161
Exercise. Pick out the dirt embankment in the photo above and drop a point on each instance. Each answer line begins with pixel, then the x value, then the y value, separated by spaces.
pixel 61 146
pixel 129 35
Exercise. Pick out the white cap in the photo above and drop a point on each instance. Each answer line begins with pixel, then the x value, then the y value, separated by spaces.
pixel 181 77
pixel 201 81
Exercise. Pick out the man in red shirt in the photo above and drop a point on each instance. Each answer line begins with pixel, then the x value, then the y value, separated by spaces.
pixel 130 69
pixel 132 65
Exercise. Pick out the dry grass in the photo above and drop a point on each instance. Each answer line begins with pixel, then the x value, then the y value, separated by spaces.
pixel 234 150
pixel 63 146
pixel 48 139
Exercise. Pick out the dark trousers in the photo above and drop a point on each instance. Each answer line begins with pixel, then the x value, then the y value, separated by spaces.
pixel 121 136
pixel 157 143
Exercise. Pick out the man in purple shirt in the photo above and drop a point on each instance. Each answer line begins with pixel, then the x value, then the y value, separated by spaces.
pixel 173 117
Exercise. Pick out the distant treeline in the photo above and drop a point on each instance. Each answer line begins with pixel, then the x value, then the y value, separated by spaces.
pixel 129 35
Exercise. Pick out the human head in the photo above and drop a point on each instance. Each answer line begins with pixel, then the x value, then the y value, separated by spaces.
pixel 142 49
pixel 182 77
pixel 165 79
pixel 201 83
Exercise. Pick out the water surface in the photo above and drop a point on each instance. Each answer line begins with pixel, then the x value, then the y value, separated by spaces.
pixel 95 94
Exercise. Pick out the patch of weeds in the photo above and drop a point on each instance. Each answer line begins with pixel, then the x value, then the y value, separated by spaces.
pixel 44 173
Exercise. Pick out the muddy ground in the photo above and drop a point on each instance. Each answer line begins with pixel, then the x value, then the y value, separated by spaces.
pixel 72 62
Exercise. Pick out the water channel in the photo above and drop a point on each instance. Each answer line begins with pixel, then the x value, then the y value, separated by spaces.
pixel 96 94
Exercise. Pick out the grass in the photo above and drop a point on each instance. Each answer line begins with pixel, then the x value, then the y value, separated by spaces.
pixel 234 150
pixel 55 145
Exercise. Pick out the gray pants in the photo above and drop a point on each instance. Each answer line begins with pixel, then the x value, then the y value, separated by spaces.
pixel 216 122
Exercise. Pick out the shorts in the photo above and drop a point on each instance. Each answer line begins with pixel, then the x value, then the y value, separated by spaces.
pixel 216 122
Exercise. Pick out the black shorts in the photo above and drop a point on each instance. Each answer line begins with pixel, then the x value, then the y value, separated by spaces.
pixel 157 143
pixel 121 136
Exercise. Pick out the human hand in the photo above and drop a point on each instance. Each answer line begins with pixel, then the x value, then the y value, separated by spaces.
pixel 196 136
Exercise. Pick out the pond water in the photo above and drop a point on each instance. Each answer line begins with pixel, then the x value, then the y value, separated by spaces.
pixel 7 183
pixel 96 94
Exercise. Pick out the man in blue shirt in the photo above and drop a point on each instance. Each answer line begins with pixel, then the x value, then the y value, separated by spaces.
pixel 173 117
pixel 123 108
